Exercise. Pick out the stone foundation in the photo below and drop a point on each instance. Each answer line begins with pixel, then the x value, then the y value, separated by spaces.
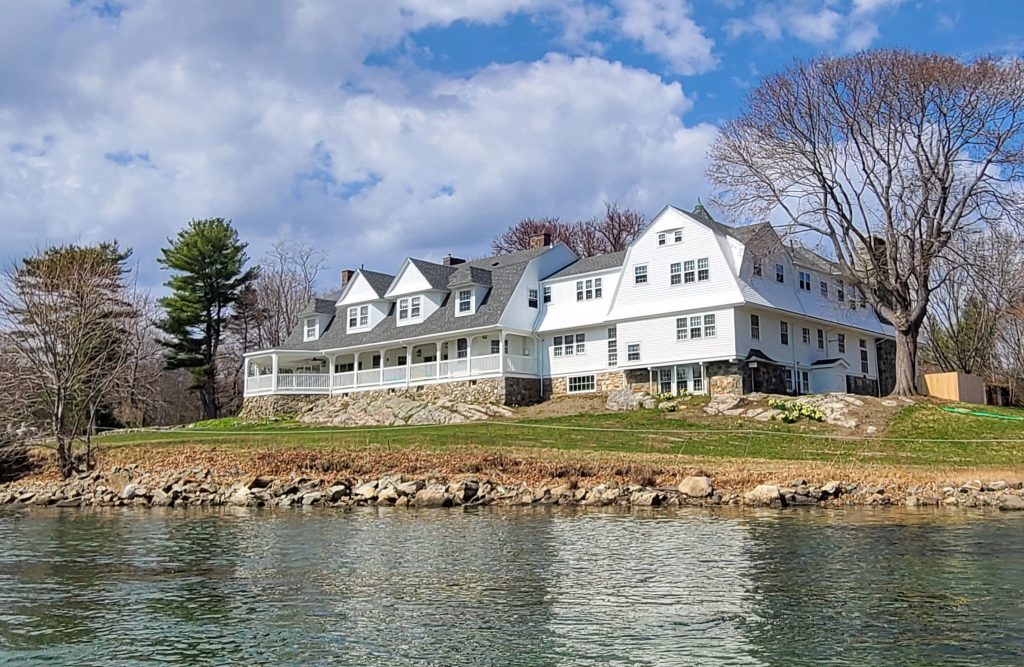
pixel 260 408
pixel 765 377
pixel 856 384
pixel 604 383
pixel 724 377
pixel 886 350
pixel 638 379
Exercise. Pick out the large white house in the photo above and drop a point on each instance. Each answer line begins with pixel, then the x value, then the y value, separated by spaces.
pixel 691 306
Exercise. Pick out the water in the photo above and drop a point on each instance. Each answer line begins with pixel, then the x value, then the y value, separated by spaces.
pixel 506 587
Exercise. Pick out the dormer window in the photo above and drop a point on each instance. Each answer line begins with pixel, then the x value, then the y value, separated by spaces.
pixel 677 236
pixel 464 302
pixel 531 298
pixel 311 330
pixel 358 316
pixel 662 239
pixel 409 308
pixel 757 267
pixel 588 289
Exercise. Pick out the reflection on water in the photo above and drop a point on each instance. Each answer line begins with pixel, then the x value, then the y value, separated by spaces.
pixel 509 587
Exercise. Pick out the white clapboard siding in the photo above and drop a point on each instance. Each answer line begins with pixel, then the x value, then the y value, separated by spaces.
pixel 565 311
pixel 518 315
pixel 659 344
pixel 594 358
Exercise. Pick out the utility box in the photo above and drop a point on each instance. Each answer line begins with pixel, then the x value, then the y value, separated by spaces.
pixel 956 387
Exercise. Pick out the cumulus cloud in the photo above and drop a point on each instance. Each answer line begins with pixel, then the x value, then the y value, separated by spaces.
pixel 127 120
pixel 818 22
pixel 665 28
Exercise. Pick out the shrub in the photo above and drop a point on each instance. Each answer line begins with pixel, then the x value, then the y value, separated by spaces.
pixel 791 411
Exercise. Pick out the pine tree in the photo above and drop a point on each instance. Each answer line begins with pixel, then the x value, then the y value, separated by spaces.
pixel 209 264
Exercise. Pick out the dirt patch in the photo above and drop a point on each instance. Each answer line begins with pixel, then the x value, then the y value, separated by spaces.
pixel 564 406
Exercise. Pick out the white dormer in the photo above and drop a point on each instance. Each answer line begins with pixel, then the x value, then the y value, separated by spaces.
pixel 363 303
pixel 310 328
pixel 417 291
pixel 466 300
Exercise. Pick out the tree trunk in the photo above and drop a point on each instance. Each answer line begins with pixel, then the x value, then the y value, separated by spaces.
pixel 906 363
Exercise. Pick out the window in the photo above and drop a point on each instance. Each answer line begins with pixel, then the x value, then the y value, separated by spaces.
pixel 661 239
pixel 347 367
pixel 613 347
pixel 358 316
pixel 403 309
pixel 409 308
pixel 461 348
pixel 841 338
pixel 709 326
pixel 788 372
pixel 581 383
pixel 840 291
pixel 695 329
pixel 531 298
pixel 682 378
pixel 805 281
pixel 677 237
pixel 682 333
pixel 688 274
pixel 864 367
pixel 784 333
pixel 703 273
pixel 665 380
pixel 547 294
pixel 633 352
pixel 495 347
pixel 698 380
pixel 588 289
pixel 598 292
pixel 755 327
pixel 581 343
pixel 312 329
pixel 640 274
pixel 569 344
pixel 821 339
pixel 757 268
pixel 556 346
pixel 823 286
pixel 414 307
pixel 675 271
pixel 805 382
pixel 465 301
pixel 780 273
pixel 805 336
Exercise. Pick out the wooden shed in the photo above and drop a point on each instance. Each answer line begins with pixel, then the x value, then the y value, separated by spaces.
pixel 956 387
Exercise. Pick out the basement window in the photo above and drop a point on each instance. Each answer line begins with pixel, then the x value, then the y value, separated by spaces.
pixel 580 384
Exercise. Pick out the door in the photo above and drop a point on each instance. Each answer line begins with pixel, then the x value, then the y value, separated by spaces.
pixel 665 380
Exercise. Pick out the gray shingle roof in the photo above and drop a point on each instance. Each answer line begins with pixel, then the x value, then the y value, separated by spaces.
pixel 380 282
pixel 436 274
pixel 470 275
pixel 582 265
pixel 505 270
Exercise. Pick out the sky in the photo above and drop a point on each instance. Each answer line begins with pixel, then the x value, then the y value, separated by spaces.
pixel 379 129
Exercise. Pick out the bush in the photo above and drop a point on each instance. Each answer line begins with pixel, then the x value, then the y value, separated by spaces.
pixel 791 411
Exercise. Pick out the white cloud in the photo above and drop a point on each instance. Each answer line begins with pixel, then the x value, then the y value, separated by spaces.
pixel 271 118
pixel 818 22
pixel 665 29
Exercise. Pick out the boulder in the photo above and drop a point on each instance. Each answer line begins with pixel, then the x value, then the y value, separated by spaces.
pixel 762 494
pixel 996 486
pixel 367 491
pixel 242 497
pixel 1010 503
pixel 387 495
pixel 696 487
pixel 465 490
pixel 312 498
pixel 832 488
pixel 337 492
pixel 129 492
pixel 260 482
pixel 161 499
pixel 720 403
pixel 627 399
pixel 646 499
pixel 434 495
pixel 410 488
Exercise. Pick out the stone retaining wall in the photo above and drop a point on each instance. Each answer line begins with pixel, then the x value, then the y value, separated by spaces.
pixel 261 408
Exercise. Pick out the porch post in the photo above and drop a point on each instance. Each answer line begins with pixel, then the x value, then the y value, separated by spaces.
pixel 355 370
pixel 469 355
pixel 408 365
pixel 330 372
pixel 245 377
pixel 273 370
pixel 501 352
pixel 380 370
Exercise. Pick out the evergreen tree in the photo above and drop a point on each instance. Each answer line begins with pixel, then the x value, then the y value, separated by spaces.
pixel 209 264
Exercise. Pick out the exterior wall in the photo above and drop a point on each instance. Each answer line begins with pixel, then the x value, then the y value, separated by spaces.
pixel 861 385
pixel 593 360
pixel 765 377
pixel 659 346
pixel 724 377
pixel 518 314
pixel 604 383
pixel 565 311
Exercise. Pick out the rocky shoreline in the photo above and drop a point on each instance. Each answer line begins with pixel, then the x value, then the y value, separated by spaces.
pixel 131 486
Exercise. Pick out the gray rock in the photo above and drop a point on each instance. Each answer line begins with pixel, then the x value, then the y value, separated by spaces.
pixel 242 497
pixel 312 498
pixel 387 495
pixel 646 499
pixel 337 492
pixel 626 399
pixel 161 499
pixel 832 488
pixel 972 485
pixel 696 487
pixel 762 494
pixel 434 495
pixel 410 488
pixel 129 492
pixel 70 502
pixel 1010 503
pixel 996 486
pixel 366 491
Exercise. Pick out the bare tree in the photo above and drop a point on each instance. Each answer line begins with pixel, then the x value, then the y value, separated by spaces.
pixel 887 157
pixel 598 235
pixel 64 314
pixel 286 283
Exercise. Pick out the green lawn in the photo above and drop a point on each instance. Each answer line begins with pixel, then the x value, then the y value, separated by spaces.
pixel 921 434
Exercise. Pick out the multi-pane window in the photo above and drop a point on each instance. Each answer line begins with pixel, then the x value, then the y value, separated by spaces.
pixel 569 344
pixel 805 336
pixel 640 274
pixel 495 346
pixel 312 328
pixel 805 281
pixel 581 383
pixel 677 236
pixel 676 273
pixel 588 289
pixel 613 347
pixel 547 294
pixel 805 382
pixel 531 298
pixel 823 286
pixel 682 333
pixel 581 343
pixel 465 300
pixel 864 367
pixel 703 273
pixel 709 326
pixel 409 308
pixel 358 316
pixel 661 239
pixel 689 275
pixel 821 339
pixel 695 326
pixel 698 380
pixel 682 378
pixel 780 273
pixel 841 338
pixel 556 346
pixel 840 291
pixel 633 352
pixel 784 333
pixel 414 306
pixel 755 327
pixel 461 348
pixel 757 267
pixel 788 372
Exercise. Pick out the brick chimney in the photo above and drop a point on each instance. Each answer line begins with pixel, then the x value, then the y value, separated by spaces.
pixel 540 240
pixel 452 261
pixel 346 275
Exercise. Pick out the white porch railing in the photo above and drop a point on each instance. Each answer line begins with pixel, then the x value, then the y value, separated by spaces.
pixel 393 374
pixel 488 364
pixel 454 368
pixel 345 380
pixel 425 371
pixel 371 376
pixel 519 364
pixel 259 383
pixel 303 381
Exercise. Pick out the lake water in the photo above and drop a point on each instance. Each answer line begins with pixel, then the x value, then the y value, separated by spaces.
pixel 507 587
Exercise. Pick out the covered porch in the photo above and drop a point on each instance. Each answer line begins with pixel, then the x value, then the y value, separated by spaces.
pixel 489 354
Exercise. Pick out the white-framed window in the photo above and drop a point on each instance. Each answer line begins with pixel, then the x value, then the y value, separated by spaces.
pixel 358 316
pixel 569 344
pixel 556 346
pixel 677 236
pixel 788 372
pixel 613 347
pixel 689 275
pixel 805 382
pixel 588 289
pixel 756 270
pixel 755 327
pixel 579 384
pixel 784 333
pixel 675 272
pixel 703 270
pixel 633 352
pixel 841 339
pixel 695 326
pixel 823 286
pixel 821 339
pixel 780 273
pixel 864 366
pixel 805 335
pixel 640 274
pixel 698 380
pixel 805 281
pixel 662 238
pixel 465 302
pixel 532 299
pixel 409 308
pixel 461 348
pixel 311 330
pixel 709 326
pixel 581 343
pixel 682 378
pixel 547 294
pixel 682 332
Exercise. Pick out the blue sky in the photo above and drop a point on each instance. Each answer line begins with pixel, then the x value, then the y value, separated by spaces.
pixel 397 127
